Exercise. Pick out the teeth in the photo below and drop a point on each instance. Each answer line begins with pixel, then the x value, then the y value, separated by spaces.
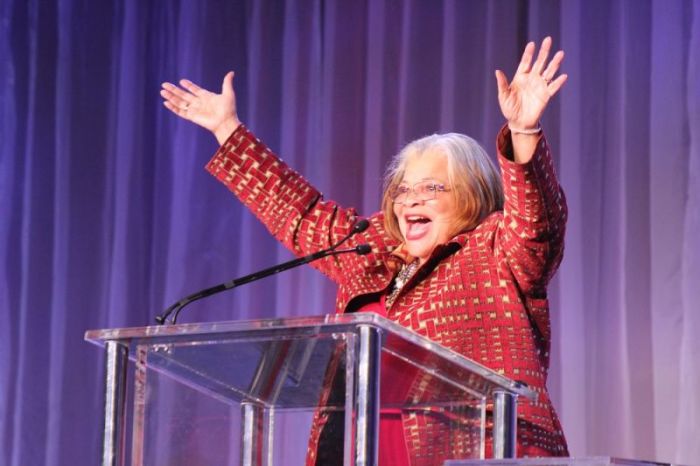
pixel 417 218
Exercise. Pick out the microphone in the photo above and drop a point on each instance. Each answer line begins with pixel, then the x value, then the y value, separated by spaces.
pixel 361 250
pixel 359 227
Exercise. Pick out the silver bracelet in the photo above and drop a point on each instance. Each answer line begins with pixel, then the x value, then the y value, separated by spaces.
pixel 526 131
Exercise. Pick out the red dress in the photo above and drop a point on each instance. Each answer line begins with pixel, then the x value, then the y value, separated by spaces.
pixel 482 294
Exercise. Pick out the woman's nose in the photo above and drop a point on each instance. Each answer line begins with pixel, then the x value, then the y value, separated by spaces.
pixel 412 198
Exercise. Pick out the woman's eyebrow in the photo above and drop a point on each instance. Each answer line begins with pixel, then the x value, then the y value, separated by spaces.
pixel 430 178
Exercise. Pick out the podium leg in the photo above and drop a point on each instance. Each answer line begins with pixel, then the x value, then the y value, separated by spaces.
pixel 505 417
pixel 117 358
pixel 253 419
pixel 367 400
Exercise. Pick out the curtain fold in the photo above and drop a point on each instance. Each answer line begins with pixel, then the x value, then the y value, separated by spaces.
pixel 690 268
pixel 107 217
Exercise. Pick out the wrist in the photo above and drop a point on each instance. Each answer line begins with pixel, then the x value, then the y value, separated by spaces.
pixel 225 129
pixel 514 129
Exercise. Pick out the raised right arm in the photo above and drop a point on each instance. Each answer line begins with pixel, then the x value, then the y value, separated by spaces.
pixel 293 211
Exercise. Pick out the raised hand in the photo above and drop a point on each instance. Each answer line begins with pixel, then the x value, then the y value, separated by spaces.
pixel 215 112
pixel 524 99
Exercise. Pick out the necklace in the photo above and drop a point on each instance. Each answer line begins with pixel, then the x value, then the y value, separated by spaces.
pixel 400 281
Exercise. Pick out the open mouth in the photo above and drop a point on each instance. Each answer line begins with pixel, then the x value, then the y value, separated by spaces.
pixel 417 219
pixel 417 226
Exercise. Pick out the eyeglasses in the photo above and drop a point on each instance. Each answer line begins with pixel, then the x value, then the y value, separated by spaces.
pixel 423 191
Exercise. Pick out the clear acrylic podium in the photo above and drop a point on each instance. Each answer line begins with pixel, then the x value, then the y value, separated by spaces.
pixel 248 392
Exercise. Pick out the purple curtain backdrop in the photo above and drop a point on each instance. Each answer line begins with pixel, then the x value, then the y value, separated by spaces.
pixel 106 215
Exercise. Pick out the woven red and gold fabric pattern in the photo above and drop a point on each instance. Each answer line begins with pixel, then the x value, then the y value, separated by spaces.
pixel 483 294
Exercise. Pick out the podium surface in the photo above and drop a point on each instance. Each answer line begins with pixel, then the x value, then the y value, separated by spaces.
pixel 254 373
pixel 588 461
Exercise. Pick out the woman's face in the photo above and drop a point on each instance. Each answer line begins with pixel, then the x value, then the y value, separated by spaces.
pixel 426 223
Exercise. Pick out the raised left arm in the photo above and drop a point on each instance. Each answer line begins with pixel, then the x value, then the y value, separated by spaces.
pixel 531 237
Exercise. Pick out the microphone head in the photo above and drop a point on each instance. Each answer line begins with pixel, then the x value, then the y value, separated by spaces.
pixel 363 249
pixel 360 226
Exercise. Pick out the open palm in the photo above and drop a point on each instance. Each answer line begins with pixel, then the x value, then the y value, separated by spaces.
pixel 215 112
pixel 524 99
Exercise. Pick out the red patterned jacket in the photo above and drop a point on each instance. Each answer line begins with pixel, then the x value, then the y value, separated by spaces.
pixel 483 294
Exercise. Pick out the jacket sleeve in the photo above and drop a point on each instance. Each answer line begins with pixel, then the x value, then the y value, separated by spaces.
pixel 293 211
pixel 534 217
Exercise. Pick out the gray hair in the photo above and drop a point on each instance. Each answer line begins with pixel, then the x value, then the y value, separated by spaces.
pixel 473 178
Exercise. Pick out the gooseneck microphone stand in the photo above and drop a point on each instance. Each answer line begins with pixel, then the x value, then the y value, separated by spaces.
pixel 177 307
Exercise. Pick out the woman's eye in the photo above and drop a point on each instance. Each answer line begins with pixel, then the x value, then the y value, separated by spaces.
pixel 402 189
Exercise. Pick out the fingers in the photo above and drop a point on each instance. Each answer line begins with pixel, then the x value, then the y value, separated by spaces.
pixel 542 55
pixel 526 59
pixel 227 84
pixel 553 66
pixel 176 96
pixel 555 85
pixel 181 112
pixel 501 82
pixel 547 70
pixel 192 87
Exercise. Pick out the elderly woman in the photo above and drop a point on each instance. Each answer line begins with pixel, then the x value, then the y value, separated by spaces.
pixel 459 254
